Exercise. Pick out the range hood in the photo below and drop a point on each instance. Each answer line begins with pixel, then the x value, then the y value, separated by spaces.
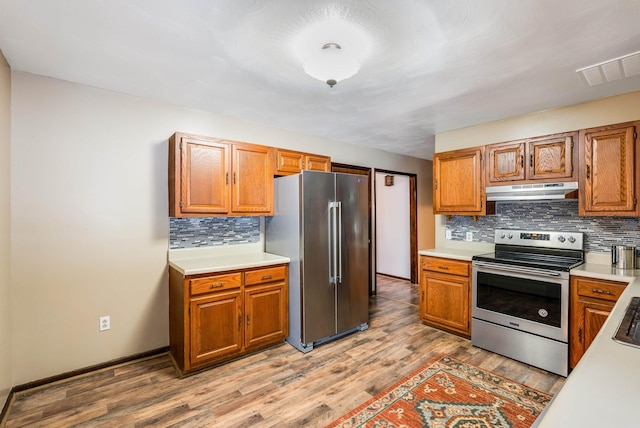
pixel 531 192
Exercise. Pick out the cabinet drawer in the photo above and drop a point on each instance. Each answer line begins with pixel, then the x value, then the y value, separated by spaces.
pixel 606 290
pixel 262 276
pixel 215 283
pixel 454 267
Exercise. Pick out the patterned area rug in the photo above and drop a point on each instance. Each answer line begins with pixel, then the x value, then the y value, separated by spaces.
pixel 448 393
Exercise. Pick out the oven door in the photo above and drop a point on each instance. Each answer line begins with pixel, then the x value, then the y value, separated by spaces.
pixel 526 299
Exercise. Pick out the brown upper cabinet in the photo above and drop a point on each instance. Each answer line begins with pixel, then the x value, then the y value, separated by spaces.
pixel 540 159
pixel 608 180
pixel 459 183
pixel 291 162
pixel 209 176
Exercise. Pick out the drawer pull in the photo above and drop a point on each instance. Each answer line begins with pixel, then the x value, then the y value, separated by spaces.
pixel 217 284
pixel 264 277
pixel 598 291
pixel 443 267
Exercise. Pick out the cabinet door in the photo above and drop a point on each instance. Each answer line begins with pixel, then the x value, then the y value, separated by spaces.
pixel 216 326
pixel 445 301
pixel 265 315
pixel 608 180
pixel 458 182
pixel 550 158
pixel 591 303
pixel 317 163
pixel 587 319
pixel 252 180
pixel 506 162
pixel 289 162
pixel 204 176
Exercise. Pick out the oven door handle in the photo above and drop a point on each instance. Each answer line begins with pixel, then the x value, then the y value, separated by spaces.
pixel 509 268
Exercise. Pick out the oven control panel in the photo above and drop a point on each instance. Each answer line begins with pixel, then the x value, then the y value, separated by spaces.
pixel 535 236
pixel 566 240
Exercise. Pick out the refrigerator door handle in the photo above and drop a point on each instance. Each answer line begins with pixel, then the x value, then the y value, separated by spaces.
pixel 339 260
pixel 331 228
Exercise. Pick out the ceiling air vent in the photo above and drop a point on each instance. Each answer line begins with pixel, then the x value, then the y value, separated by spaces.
pixel 617 68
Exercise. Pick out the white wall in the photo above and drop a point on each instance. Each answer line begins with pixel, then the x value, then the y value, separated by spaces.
pixel 90 225
pixel 617 109
pixel 393 228
pixel 5 230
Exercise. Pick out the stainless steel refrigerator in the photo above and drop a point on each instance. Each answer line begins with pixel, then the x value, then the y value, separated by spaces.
pixel 320 222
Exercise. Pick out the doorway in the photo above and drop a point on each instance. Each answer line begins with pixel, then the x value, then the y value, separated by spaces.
pixel 396 222
pixel 361 170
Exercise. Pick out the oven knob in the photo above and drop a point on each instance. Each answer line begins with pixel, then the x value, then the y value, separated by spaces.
pixel 509 236
pixel 502 236
pixel 561 238
pixel 572 239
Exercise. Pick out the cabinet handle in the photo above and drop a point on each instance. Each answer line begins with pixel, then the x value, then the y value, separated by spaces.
pixel 227 178
pixel 234 178
pixel 588 171
pixel 239 321
pixel 580 335
pixel 264 277
pixel 598 291
pixel 521 161
pixel 531 161
pixel 443 267
pixel 435 184
pixel 248 318
pixel 217 284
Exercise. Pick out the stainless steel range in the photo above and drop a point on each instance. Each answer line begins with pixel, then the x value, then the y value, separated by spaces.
pixel 521 296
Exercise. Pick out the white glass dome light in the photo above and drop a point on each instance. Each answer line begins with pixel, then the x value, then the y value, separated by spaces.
pixel 332 50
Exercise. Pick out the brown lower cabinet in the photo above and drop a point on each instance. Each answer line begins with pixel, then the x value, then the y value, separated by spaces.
pixel 591 303
pixel 217 317
pixel 445 294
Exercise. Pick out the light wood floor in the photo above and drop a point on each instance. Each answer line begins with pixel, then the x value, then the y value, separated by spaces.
pixel 275 388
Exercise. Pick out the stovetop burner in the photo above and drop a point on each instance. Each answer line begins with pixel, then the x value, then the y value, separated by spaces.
pixel 543 250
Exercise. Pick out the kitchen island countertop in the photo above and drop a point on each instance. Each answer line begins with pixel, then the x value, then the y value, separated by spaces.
pixel 602 390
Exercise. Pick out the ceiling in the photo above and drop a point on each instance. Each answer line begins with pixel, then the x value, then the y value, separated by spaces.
pixel 433 66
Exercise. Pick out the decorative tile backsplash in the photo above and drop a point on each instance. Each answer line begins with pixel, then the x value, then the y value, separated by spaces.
pixel 599 232
pixel 213 231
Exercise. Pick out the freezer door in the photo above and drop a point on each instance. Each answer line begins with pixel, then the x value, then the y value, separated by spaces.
pixel 318 294
pixel 353 254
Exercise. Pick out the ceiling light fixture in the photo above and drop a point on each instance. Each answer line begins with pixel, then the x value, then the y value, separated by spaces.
pixel 332 49
pixel 331 64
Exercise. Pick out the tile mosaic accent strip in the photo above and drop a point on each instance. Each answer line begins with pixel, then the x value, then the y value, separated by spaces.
pixel 213 231
pixel 600 233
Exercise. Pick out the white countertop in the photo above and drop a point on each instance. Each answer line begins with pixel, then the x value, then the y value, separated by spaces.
pixel 451 253
pixel 604 388
pixel 193 261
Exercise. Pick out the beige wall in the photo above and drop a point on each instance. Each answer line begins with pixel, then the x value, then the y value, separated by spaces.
pixel 621 108
pixel 5 230
pixel 90 226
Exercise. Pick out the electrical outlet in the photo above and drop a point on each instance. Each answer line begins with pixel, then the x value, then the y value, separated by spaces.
pixel 105 323
pixel 469 236
pixel 447 233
